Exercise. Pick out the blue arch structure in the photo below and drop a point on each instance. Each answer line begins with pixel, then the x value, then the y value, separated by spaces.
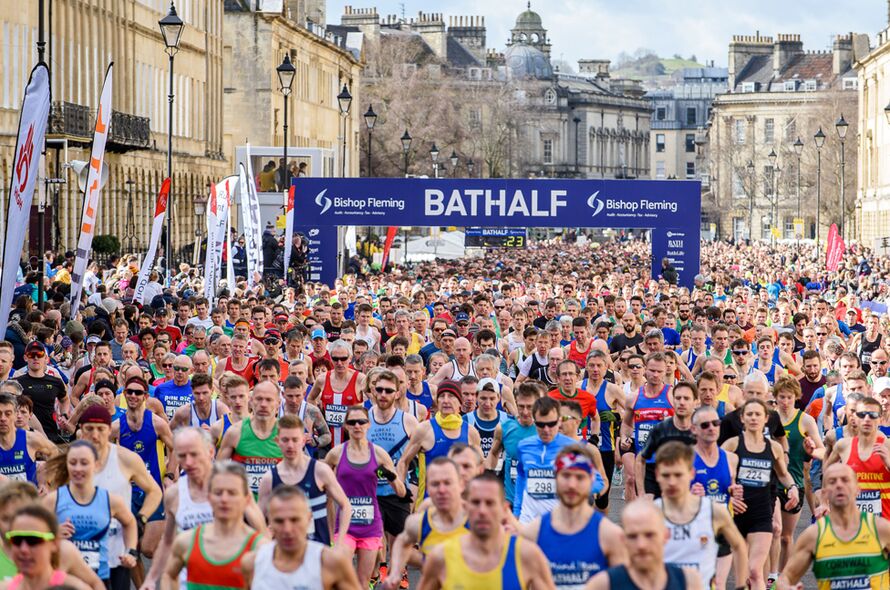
pixel 670 208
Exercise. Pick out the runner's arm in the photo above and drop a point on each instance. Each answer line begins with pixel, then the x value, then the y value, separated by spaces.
pixel 725 526
pixel 613 543
pixel 536 566
pixel 414 446
pixel 491 461
pixel 433 568
pixel 336 495
pixel 401 550
pixel 177 560
pixel 800 559
pixel 144 481
pixel 315 392
pixel 229 442
pixel 385 461
pixel 162 553
pixel 320 428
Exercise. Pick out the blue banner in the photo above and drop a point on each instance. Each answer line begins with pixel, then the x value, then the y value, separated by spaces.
pixel 321 256
pixel 664 206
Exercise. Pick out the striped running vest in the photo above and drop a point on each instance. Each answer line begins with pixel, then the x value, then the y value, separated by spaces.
pixel 205 573
pixel 507 575
pixel 858 563
pixel 429 536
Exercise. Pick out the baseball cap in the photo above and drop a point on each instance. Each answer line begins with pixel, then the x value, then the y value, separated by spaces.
pixel 318 333
pixel 95 415
pixel 880 384
pixel 462 317
pixel 487 382
pixel 272 334
pixel 34 345
pixel 93 339
pixel 449 386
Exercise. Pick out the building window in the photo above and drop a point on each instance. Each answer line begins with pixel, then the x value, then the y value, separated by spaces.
pixel 769 130
pixel 660 114
pixel 788 230
pixel 740 130
pixel 690 143
pixel 738 186
pixel 548 151
pixel 790 130
pixel 810 86
pixel 475 118
pixel 851 83
pixel 690 115
pixel 659 142
pixel 690 169
pixel 659 170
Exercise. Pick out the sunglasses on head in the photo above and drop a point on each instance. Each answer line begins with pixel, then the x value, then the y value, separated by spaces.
pixel 379 389
pixel 356 421
pixel 710 424
pixel 541 424
pixel 30 538
pixel 869 414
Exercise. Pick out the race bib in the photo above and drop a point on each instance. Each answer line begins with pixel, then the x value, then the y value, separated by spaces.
pixel 754 473
pixel 362 510
pixel 869 501
pixel 335 414
pixel 513 469
pixel 541 484
pixel 255 472
pixel 89 550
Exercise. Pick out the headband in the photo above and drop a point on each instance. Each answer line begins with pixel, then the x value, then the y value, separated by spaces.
pixel 575 461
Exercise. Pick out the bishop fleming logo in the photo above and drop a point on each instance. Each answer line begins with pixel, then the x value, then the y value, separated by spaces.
pixel 596 203
pixel 324 202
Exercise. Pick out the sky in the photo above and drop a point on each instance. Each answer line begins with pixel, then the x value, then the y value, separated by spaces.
pixel 601 29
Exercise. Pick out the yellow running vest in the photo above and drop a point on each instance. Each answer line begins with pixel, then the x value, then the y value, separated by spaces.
pixel 858 563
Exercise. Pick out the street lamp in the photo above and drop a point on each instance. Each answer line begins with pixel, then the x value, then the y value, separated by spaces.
pixel 753 178
pixel 406 148
pixel 772 157
pixel 798 149
pixel 370 121
pixel 841 126
pixel 171 29
pixel 200 205
pixel 344 99
pixel 434 154
pixel 887 112
pixel 471 167
pixel 819 140
pixel 454 160
pixel 286 72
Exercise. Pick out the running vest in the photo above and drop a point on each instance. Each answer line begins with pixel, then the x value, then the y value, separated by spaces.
pixel 619 578
pixel 838 403
pixel 318 501
pixel 857 563
pixel 256 454
pixel 17 463
pixel 755 474
pixel 198 422
pixel 306 577
pixel 424 398
pixel 649 411
pixel 91 523
pixel 359 483
pixel 246 372
pixel 693 544
pixel 429 536
pixel 578 357
pixel 485 428
pixel 8 569
pixel 507 575
pixel 456 375
pixel 690 361
pixel 57 578
pixel 873 478
pixel 796 453
pixel 112 479
pixel 204 573
pixel 538 370
pixel 574 558
pixel 145 443
pixel 865 349
pixel 392 438
pixel 440 448
pixel 512 433
pixel 716 480
pixel 335 403
pixel 190 514
pixel 771 374
pixel 609 420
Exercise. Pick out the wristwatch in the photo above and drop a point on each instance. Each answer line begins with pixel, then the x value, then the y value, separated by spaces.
pixel 133 553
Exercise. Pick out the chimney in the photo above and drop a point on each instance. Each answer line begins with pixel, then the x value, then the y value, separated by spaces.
pixel 742 48
pixel 785 49
pixel 469 31
pixel 431 27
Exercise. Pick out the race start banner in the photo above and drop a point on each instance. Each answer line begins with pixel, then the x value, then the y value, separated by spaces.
pixel 670 208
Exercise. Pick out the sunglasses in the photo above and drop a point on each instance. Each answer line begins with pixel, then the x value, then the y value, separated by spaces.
pixel 740 352
pixel 181 369
pixel 379 389
pixel 357 422
pixel 167 365
pixel 871 414
pixel 634 367
pixel 729 376
pixel 30 538
pixel 339 359
pixel 821 333
pixel 35 355
pixel 710 424
pixel 134 392
pixel 550 424
pixel 879 363
pixel 568 418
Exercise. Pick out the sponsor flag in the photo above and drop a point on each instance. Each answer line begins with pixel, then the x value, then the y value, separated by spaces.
pixel 93 192
pixel 250 208
pixel 157 226
pixel 250 245
pixel 29 145
pixel 835 248
pixel 218 212
pixel 391 232
pixel 288 228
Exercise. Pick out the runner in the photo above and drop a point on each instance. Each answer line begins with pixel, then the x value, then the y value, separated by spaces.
pixel 336 390
pixel 20 449
pixel 675 428
pixel 458 367
pixel 645 533
pixel 487 417
pixel 314 478
pixel 695 522
pixel 292 561
pixel 508 435
pixel 357 464
pixel 578 541
pixel 488 558
pixel 567 389
pixel 212 553
pixel 235 393
pixel 202 411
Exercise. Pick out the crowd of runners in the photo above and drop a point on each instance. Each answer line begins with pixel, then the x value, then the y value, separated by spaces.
pixel 468 421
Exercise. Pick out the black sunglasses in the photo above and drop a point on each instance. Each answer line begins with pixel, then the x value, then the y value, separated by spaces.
pixel 134 392
pixel 30 541
pixel 339 359
pixel 871 414
pixel 550 424
pixel 379 389
pixel 740 352
pixel 357 422
pixel 710 424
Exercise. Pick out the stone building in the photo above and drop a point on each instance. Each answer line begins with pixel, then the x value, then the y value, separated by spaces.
pixel 779 93
pixel 86 36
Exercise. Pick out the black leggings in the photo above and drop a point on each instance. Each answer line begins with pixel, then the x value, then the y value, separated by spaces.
pixel 119 579
pixel 609 466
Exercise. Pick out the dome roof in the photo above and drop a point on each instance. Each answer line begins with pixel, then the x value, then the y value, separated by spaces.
pixel 524 61
pixel 529 19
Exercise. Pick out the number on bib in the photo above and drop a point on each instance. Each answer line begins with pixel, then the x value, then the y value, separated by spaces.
pixel 335 414
pixel 869 501
pixel 362 510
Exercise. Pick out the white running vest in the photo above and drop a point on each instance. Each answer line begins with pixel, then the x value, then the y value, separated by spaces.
pixel 693 544
pixel 306 577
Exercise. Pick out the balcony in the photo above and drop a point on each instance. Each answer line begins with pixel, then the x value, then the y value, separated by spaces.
pixel 75 122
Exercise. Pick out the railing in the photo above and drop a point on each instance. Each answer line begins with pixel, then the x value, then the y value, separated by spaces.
pixel 73 120
pixel 128 132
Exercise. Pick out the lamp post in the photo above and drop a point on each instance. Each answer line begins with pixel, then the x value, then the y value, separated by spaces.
pixel 841 126
pixel 471 167
pixel 454 161
pixel 772 157
pixel 344 99
pixel 434 155
pixel 286 72
pixel 751 169
pixel 577 122
pixel 171 29
pixel 200 203
pixel 798 149
pixel 406 148
pixel 819 140
pixel 370 121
